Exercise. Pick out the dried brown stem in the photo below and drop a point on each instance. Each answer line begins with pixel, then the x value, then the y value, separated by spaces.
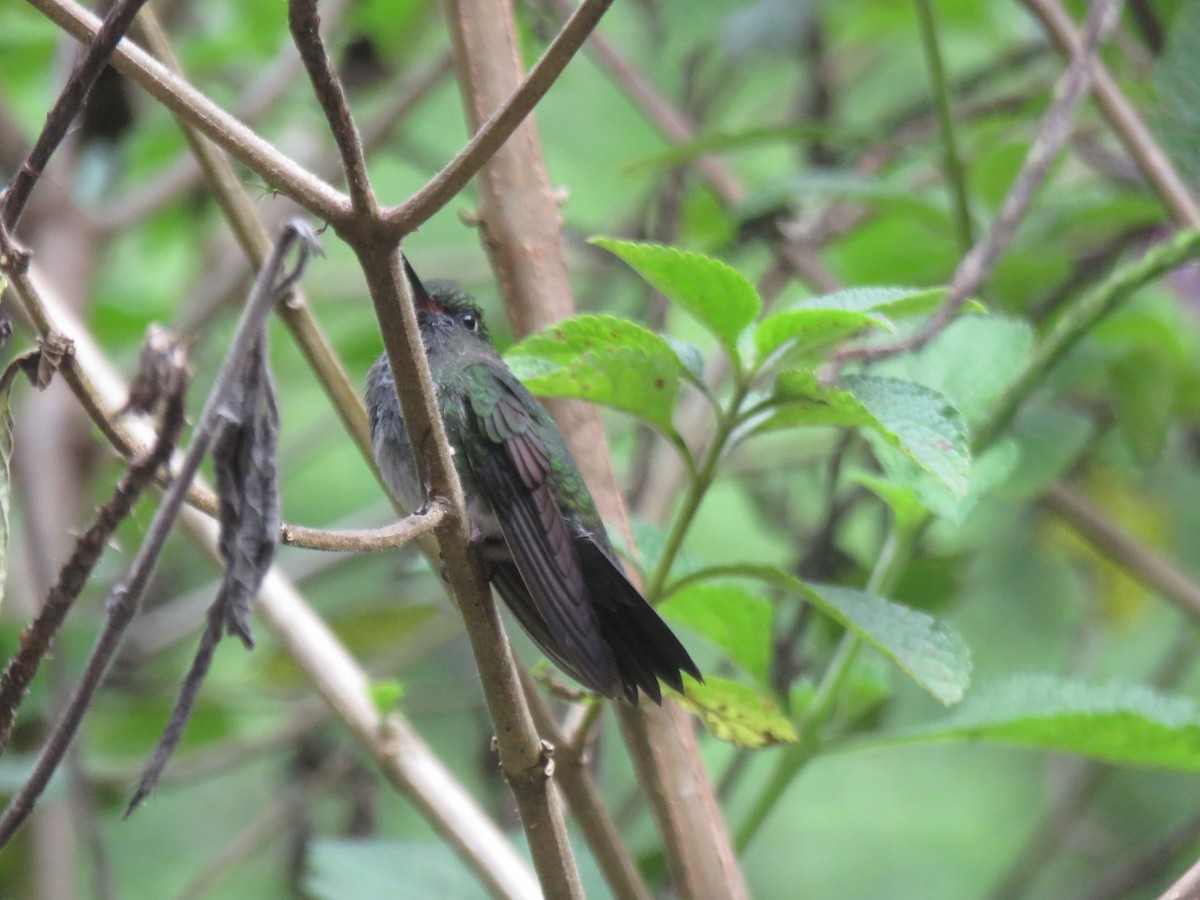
pixel 587 806
pixel 125 600
pixel 522 757
pixel 521 226
pixel 36 639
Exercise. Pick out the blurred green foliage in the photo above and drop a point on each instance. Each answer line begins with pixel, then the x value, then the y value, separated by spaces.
pixel 863 818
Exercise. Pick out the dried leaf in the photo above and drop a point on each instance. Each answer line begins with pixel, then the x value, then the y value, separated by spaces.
pixel 244 456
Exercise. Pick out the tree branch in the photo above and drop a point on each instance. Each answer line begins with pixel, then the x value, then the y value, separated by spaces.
pixel 521 223
pixel 1122 116
pixel 305 26
pixel 70 101
pixel 499 126
pixel 393 536
pixel 184 100
pixel 1052 133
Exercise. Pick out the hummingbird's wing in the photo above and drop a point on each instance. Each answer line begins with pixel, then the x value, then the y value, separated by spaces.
pixel 513 468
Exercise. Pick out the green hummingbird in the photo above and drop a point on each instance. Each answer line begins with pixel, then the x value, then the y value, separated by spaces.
pixel 540 538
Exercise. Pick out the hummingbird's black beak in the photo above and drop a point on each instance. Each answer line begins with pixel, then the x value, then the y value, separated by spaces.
pixel 420 296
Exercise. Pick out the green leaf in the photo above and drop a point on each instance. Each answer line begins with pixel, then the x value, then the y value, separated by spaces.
pixel 385 695
pixel 915 419
pixel 1115 722
pixel 730 615
pixel 605 360
pixel 737 714
pixel 1178 119
pixel 718 296
pixel 370 869
pixel 809 329
pixel 926 649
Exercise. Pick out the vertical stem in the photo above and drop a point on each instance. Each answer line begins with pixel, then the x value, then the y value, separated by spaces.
pixel 955 174
pixel 522 232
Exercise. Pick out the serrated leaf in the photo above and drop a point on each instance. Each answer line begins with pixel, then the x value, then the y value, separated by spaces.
pixel 737 714
pixel 730 615
pixel 805 330
pixel 893 302
pixel 605 360
pixel 971 362
pixel 915 419
pixel 928 650
pixel 1115 722
pixel 718 296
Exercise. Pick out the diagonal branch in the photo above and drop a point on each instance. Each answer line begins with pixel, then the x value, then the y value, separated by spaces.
pixel 305 25
pixel 1122 116
pixel 181 98
pixel 1051 135
pixel 70 101
pixel 492 134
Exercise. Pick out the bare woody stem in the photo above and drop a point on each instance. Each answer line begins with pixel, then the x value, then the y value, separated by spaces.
pixel 125 600
pixel 522 757
pixel 36 639
pixel 182 99
pixel 1122 117
pixel 70 101
pixel 305 26
pixel 524 242
pixel 500 125
pixel 1051 135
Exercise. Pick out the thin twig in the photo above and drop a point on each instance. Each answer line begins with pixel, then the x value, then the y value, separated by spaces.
pixel 952 161
pixel 587 806
pixel 1052 133
pixel 125 600
pixel 500 125
pixel 305 26
pixel 375 539
pixel 1154 571
pixel 36 639
pixel 1122 116
pixel 181 98
pixel 70 101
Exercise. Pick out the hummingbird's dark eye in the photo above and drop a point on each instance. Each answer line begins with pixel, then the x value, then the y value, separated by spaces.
pixel 470 321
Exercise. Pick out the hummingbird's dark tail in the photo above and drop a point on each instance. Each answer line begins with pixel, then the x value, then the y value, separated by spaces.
pixel 633 648
pixel 644 648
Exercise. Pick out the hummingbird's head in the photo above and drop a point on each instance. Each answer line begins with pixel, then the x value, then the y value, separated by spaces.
pixel 446 314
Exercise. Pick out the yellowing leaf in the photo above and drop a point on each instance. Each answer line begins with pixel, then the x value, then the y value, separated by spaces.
pixel 737 714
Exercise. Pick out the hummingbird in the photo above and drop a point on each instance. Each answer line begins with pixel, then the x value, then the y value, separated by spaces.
pixel 533 522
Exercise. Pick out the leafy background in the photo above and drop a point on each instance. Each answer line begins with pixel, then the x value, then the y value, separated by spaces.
pixel 904 804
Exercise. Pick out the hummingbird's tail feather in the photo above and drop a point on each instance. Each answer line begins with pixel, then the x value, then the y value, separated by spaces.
pixel 595 676
pixel 645 648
